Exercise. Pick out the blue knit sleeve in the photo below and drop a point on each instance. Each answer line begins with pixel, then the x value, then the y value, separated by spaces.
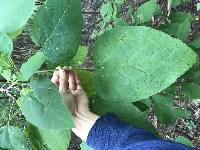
pixel 109 133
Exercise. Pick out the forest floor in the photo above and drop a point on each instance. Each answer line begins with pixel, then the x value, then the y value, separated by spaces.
pixel 189 128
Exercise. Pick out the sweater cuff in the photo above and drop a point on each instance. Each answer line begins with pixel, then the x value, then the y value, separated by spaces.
pixel 106 132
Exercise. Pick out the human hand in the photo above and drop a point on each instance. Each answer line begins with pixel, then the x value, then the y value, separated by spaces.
pixel 75 98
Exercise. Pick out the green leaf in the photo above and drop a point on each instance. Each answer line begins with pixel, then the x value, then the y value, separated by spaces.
pixel 164 109
pixel 178 2
pixel 191 90
pixel 125 111
pixel 184 30
pixel 14 35
pixel 196 43
pixel 6 44
pixel 84 146
pixel 198 6
pixel 183 140
pixel 12 138
pixel 80 56
pixel 119 2
pixel 86 81
pixel 31 66
pixel 193 75
pixel 5 67
pixel 145 12
pixel 106 11
pixel 170 28
pixel 133 63
pixel 15 14
pixel 180 17
pixel 57 27
pixel 44 106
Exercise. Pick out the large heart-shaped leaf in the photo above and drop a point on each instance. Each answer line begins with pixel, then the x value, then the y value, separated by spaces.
pixel 12 138
pixel 15 14
pixel 134 63
pixel 44 106
pixel 56 27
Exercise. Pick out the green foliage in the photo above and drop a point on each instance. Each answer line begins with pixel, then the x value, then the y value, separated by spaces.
pixel 178 2
pixel 31 66
pixel 80 56
pixel 12 138
pixel 183 140
pixel 126 111
pixel 191 90
pixel 6 45
pixel 12 16
pixel 86 81
pixel 198 6
pixel 165 110
pixel 196 43
pixel 58 34
pixel 53 139
pixel 146 11
pixel 146 65
pixel 130 64
pixel 44 107
pixel 180 25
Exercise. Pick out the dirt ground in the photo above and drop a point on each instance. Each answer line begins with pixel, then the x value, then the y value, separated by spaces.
pixel 91 12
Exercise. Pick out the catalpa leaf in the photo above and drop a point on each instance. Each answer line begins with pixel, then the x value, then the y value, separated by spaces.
pixel 31 66
pixel 178 2
pixel 12 138
pixel 125 111
pixel 146 11
pixel 57 27
pixel 53 139
pixel 6 44
pixel 15 14
pixel 44 106
pixel 133 63
pixel 179 17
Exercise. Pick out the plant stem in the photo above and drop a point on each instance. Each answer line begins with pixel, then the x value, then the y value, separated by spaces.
pixel 45 71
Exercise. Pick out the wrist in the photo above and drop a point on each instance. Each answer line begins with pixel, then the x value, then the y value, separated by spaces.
pixel 83 123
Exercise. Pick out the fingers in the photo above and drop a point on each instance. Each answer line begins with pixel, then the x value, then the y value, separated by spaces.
pixel 72 81
pixel 63 80
pixel 55 78
pixel 78 82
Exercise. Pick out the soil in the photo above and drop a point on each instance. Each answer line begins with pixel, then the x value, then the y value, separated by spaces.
pixel 24 47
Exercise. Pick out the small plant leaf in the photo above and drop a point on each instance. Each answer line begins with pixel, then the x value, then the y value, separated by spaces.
pixel 44 106
pixel 57 27
pixel 198 6
pixel 134 63
pixel 164 109
pixel 119 2
pixel 12 16
pixel 191 90
pixel 106 11
pixel 179 17
pixel 146 11
pixel 196 43
pixel 31 66
pixel 183 30
pixel 175 3
pixel 12 138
